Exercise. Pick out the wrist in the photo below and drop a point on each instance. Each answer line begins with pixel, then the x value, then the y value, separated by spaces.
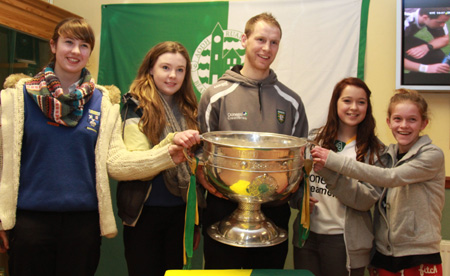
pixel 423 68
pixel 430 47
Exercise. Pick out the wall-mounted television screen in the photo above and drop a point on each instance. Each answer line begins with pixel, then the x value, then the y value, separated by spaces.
pixel 423 48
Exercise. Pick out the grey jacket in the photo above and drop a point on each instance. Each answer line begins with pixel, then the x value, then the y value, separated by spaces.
pixel 410 224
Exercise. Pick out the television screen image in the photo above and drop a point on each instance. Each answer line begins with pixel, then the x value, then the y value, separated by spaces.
pixel 423 48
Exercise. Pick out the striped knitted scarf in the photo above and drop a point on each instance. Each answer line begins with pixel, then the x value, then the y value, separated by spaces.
pixel 66 109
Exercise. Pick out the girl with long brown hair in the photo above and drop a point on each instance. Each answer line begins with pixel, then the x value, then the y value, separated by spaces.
pixel 342 205
pixel 160 109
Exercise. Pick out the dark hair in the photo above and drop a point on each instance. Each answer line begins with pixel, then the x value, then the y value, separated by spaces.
pixel 266 17
pixel 366 140
pixel 434 13
pixel 144 90
pixel 76 28
pixel 407 95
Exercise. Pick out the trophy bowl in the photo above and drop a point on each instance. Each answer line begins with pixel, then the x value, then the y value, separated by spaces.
pixel 251 168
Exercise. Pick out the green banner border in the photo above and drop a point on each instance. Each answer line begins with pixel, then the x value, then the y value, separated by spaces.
pixel 363 38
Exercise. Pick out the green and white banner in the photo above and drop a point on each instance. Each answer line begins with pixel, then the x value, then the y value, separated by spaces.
pixel 322 42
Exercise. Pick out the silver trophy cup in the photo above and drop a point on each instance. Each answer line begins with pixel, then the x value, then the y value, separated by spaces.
pixel 251 168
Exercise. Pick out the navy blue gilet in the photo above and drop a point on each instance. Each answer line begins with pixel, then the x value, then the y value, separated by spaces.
pixel 57 172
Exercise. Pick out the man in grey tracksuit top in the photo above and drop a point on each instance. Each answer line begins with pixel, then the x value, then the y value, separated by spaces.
pixel 250 98
pixel 239 103
pixel 236 102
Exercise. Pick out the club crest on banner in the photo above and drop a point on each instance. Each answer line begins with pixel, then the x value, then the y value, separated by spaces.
pixel 218 52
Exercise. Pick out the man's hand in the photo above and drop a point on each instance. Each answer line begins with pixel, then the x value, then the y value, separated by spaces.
pixel 201 178
pixel 418 52
pixel 197 236
pixel 438 68
pixel 312 204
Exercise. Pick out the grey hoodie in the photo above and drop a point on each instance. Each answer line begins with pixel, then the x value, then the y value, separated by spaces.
pixel 242 104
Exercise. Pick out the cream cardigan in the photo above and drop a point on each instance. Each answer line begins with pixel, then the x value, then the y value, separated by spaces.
pixel 111 157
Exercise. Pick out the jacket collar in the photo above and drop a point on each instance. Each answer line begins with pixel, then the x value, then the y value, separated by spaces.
pixel 234 75
pixel 423 141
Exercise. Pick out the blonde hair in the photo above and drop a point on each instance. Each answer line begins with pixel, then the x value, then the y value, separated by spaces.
pixel 266 17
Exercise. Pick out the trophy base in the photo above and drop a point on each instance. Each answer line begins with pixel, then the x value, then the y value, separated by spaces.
pixel 244 228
